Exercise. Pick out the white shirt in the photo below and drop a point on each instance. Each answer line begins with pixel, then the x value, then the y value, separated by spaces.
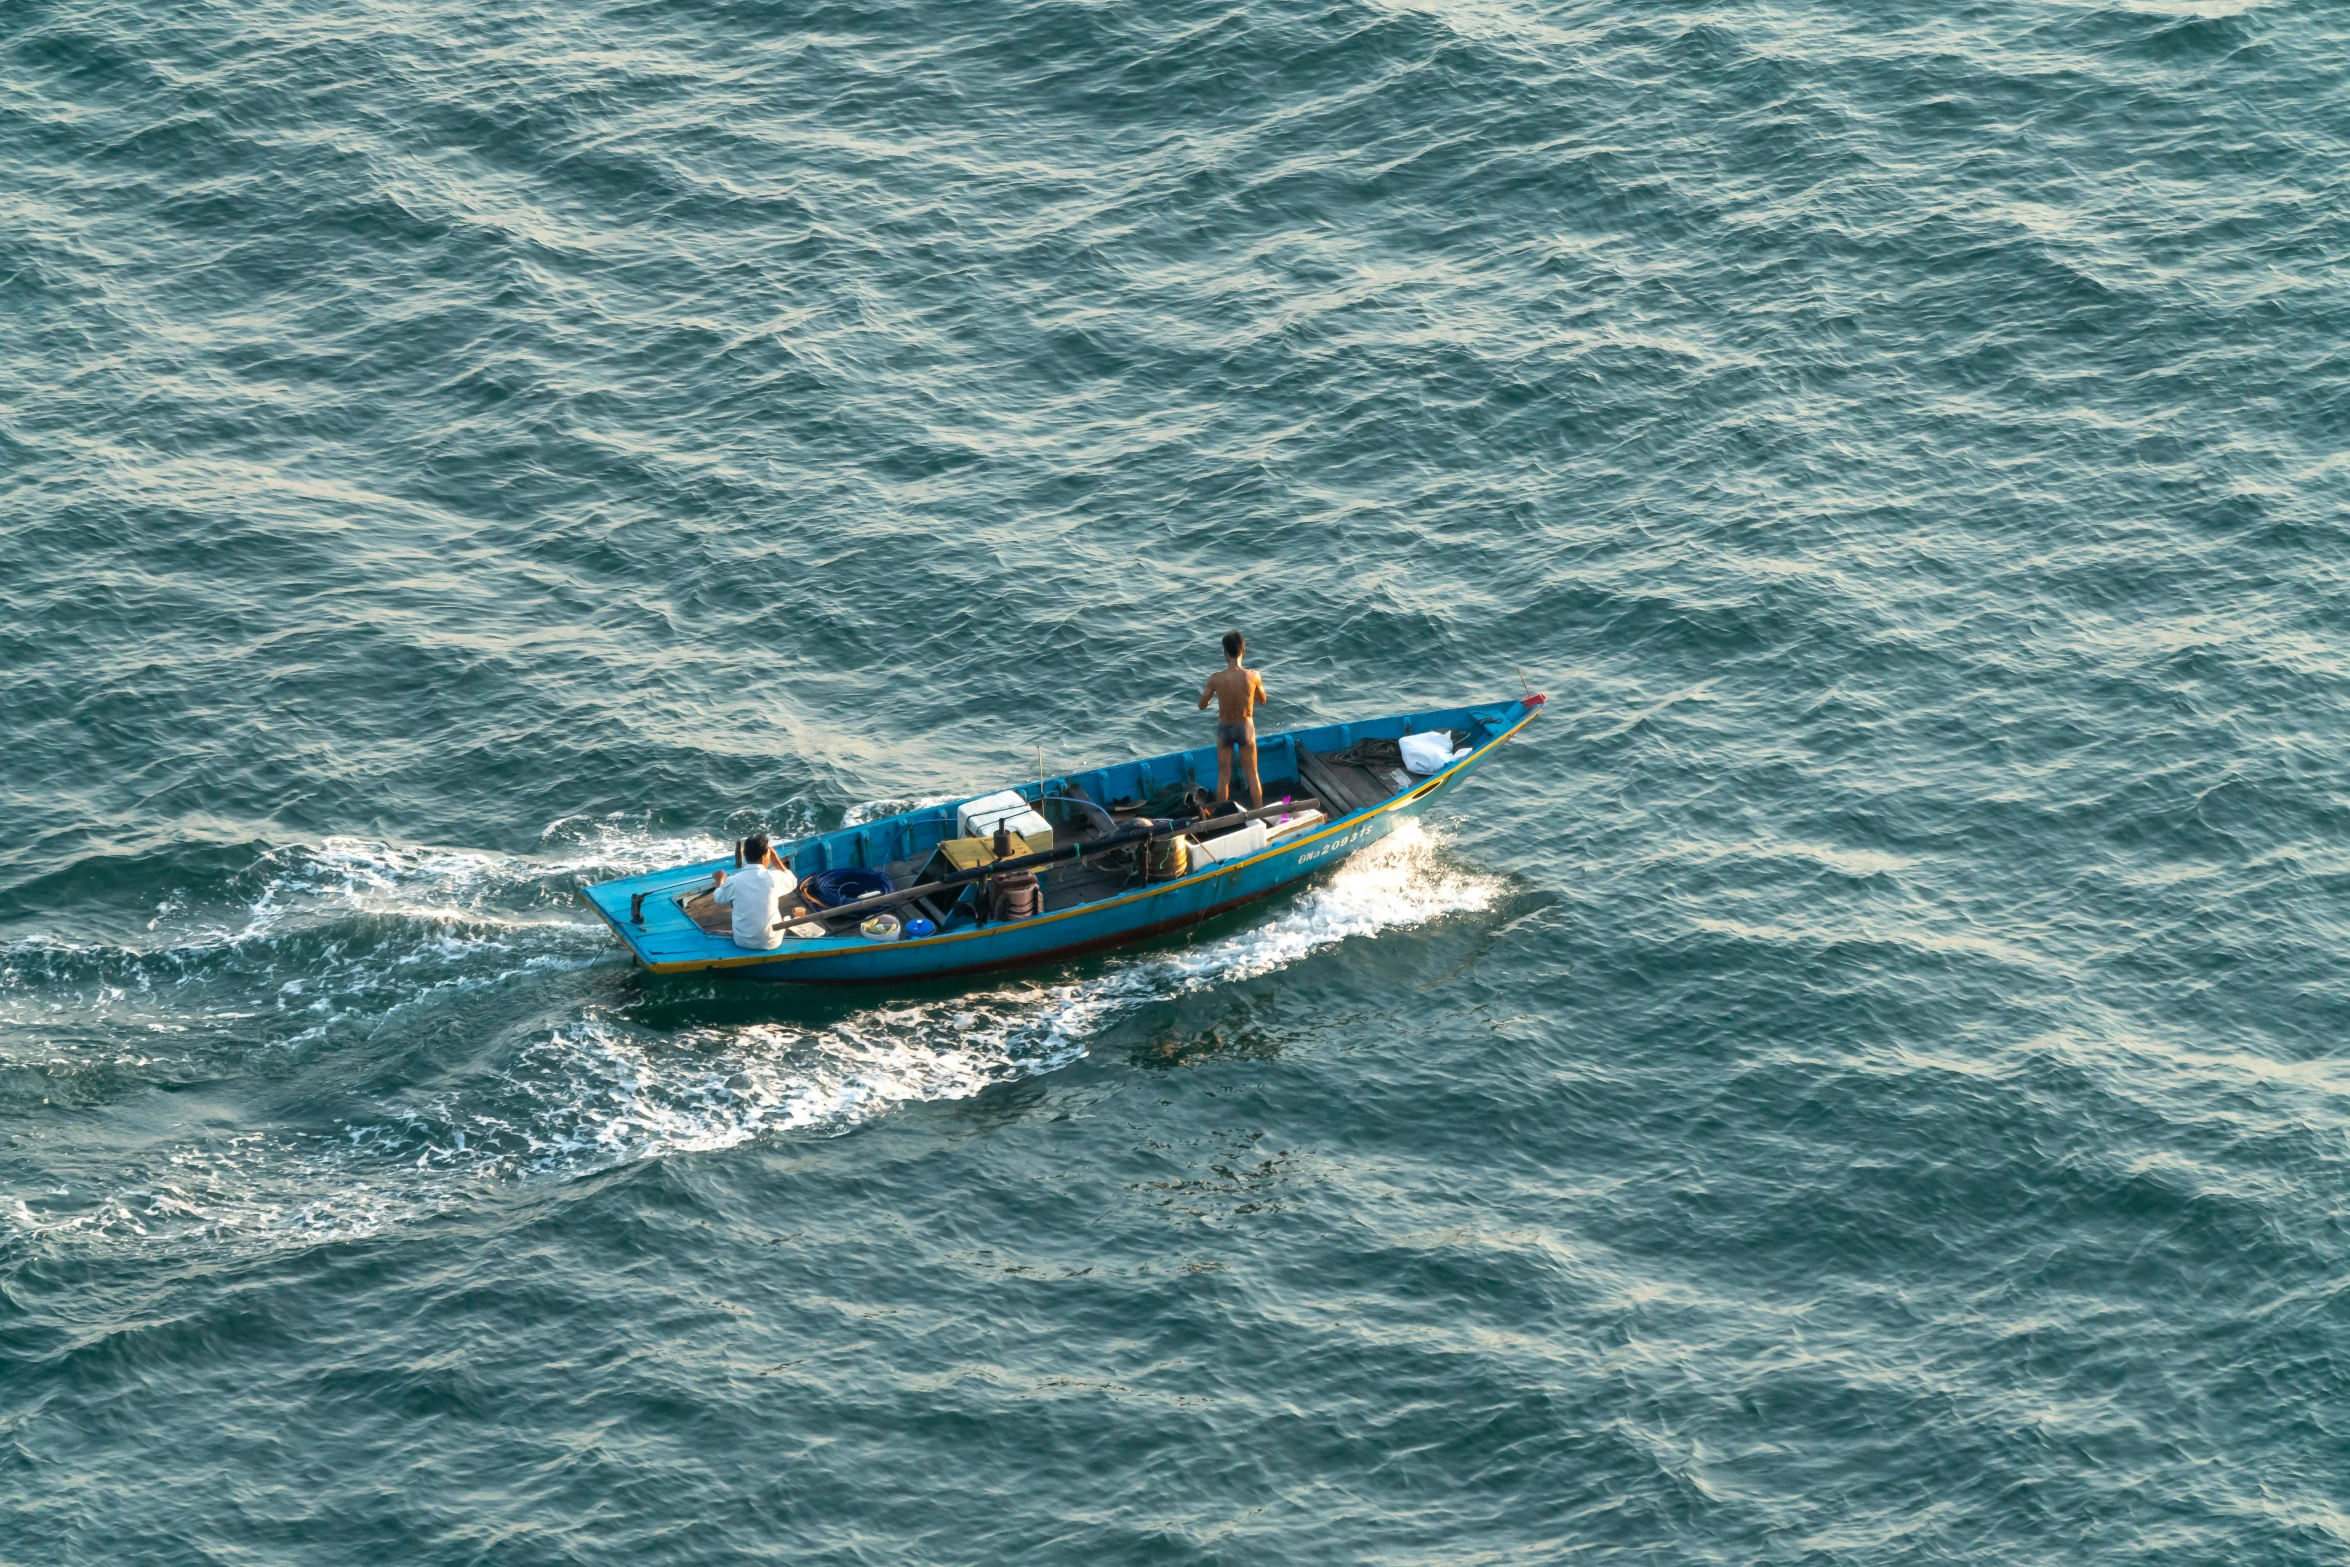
pixel 757 895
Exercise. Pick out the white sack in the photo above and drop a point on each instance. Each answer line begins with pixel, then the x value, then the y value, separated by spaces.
pixel 1430 753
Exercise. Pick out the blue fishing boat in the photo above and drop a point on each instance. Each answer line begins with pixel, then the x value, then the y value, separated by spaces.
pixel 1064 866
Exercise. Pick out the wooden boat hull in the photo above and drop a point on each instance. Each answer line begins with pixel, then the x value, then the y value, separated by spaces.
pixel 653 930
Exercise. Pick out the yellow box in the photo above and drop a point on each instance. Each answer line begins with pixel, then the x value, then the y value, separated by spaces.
pixel 969 854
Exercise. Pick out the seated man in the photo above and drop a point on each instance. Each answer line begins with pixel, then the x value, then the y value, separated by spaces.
pixel 756 893
pixel 1236 692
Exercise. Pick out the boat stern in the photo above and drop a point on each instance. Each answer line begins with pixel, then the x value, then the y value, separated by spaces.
pixel 643 912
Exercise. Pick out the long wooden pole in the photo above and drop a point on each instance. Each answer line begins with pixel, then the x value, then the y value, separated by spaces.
pixel 1074 854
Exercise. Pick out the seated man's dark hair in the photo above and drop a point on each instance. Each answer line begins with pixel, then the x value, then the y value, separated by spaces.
pixel 755 849
pixel 1233 643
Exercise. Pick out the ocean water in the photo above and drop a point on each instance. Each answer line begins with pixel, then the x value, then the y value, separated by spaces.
pixel 1862 1081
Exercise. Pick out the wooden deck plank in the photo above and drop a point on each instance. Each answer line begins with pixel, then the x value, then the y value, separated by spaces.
pixel 712 916
pixel 1354 793
pixel 1323 780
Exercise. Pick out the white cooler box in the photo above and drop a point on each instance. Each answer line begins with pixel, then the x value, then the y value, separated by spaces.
pixel 978 819
pixel 1238 844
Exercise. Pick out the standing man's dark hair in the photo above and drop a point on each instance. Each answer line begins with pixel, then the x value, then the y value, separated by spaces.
pixel 1234 644
pixel 755 849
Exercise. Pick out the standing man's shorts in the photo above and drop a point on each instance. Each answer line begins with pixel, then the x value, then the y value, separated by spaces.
pixel 1242 733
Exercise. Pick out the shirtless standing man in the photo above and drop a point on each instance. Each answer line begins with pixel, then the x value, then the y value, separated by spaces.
pixel 1236 691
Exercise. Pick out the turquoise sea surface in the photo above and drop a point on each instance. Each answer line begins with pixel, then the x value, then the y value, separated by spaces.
pixel 1862 1081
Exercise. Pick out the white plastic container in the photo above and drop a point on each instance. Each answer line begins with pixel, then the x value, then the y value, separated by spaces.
pixel 978 819
pixel 1237 845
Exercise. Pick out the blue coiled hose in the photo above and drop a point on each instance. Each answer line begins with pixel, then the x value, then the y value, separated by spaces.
pixel 830 889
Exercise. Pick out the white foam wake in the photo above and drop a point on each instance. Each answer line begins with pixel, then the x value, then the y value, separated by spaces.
pixel 342 932
pixel 606 1089
pixel 613 1091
